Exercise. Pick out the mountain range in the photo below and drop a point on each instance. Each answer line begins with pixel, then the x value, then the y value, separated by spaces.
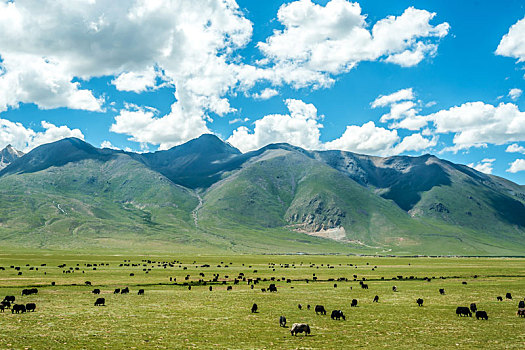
pixel 206 196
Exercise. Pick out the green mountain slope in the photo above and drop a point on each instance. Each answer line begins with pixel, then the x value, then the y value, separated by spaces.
pixel 206 196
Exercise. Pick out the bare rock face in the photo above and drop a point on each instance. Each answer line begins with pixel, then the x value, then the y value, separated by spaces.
pixel 316 216
pixel 440 208
pixel 9 155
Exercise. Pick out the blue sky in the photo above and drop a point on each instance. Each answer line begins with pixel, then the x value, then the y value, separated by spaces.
pixel 151 75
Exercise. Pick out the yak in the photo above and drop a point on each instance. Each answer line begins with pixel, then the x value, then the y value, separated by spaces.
pixel 300 328
pixel 30 307
pixel 481 314
pixel 463 311
pixel 100 302
pixel 337 315
pixel 320 309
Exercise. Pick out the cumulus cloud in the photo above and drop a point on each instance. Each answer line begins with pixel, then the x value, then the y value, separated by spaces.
pixel 404 110
pixel 485 166
pixel 25 139
pixel 108 144
pixel 513 43
pixel 191 43
pixel 300 128
pixel 145 127
pixel 473 124
pixel 265 94
pixel 367 138
pixel 193 46
pixel 515 93
pixel 334 38
pixel 415 143
pixel 515 148
pixel 476 124
pixel 386 100
pixel 136 81
pixel 517 165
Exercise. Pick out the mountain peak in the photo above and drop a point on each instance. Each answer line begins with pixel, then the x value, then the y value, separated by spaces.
pixel 208 143
pixel 8 155
pixel 56 153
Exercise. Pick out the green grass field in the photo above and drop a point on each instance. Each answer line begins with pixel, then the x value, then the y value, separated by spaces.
pixel 171 316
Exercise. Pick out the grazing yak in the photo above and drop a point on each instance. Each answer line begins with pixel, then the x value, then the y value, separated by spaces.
pixel 282 321
pixel 521 312
pixel 124 291
pixel 300 307
pixel 364 286
pixel 254 308
pixel 337 315
pixel 473 307
pixel 29 291
pixel 30 307
pixel 508 296
pixel 100 302
pixel 116 291
pixel 10 298
pixel 6 304
pixel 319 309
pixel 96 291
pixel 141 292
pixel 394 289
pixel 300 328
pixel 419 302
pixel 18 308
pixel 2 307
pixel 442 291
pixel 463 311
pixel 308 306
pixel 521 304
pixel 499 298
pixel 272 288
pixel 482 314
pixel 354 303
pixel 376 299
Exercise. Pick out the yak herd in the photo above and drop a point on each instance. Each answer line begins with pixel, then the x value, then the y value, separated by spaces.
pixel 462 311
pixel 9 303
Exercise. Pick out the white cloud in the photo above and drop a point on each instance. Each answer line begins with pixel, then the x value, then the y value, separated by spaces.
pixel 300 128
pixel 136 81
pixel 334 38
pixel 485 166
pixel 403 110
pixel 517 165
pixel 415 143
pixel 515 93
pixel 476 124
pixel 145 127
pixel 513 43
pixel 25 139
pixel 194 47
pixel 190 43
pixel 386 100
pixel 238 120
pixel 266 94
pixel 108 144
pixel 367 138
pixel 515 148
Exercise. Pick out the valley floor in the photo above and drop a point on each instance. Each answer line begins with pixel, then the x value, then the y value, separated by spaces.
pixel 170 316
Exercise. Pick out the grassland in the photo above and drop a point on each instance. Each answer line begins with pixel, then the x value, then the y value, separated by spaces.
pixel 171 316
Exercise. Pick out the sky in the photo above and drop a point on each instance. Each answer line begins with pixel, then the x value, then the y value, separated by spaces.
pixel 374 77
